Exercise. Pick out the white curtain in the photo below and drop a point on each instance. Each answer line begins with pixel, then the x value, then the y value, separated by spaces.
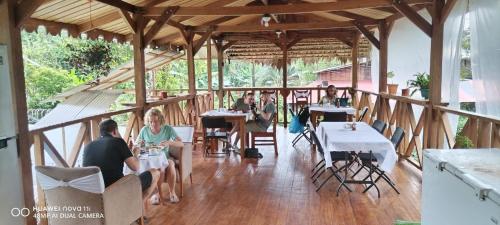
pixel 452 56
pixel 485 54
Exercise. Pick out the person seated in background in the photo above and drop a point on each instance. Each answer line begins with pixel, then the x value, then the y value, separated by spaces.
pixel 330 97
pixel 158 133
pixel 110 151
pixel 243 103
pixel 263 117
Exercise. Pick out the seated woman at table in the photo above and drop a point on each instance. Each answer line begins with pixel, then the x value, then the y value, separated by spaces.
pixel 158 133
pixel 330 97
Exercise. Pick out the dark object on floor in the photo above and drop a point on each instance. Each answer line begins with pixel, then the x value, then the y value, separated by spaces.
pixel 253 153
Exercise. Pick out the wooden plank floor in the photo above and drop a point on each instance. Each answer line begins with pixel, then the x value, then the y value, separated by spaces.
pixel 277 190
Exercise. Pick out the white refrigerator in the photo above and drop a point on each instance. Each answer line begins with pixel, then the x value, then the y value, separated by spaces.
pixel 10 176
pixel 461 187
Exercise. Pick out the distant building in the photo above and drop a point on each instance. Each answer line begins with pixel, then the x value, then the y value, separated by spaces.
pixel 343 73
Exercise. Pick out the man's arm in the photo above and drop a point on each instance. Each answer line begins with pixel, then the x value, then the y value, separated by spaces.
pixel 175 143
pixel 132 163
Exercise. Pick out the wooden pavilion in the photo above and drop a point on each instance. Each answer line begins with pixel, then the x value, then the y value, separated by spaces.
pixel 268 31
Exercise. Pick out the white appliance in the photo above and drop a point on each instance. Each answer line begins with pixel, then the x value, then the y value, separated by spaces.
pixel 461 187
pixel 10 176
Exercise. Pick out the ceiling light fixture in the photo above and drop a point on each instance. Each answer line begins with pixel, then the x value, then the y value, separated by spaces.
pixel 265 20
pixel 278 33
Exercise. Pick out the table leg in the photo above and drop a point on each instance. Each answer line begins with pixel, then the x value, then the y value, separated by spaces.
pixel 243 137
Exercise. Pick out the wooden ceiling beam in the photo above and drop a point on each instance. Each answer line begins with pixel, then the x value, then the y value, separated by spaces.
pixel 368 34
pixel 300 8
pixel 352 16
pixel 169 12
pixel 100 21
pixel 24 9
pixel 121 5
pixel 413 16
pixel 279 26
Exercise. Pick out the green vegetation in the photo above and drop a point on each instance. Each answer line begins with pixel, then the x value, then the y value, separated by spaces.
pixel 421 83
pixel 55 63
pixel 462 141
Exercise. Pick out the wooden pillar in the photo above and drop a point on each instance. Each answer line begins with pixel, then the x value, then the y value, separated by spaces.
pixel 284 47
pixel 10 36
pixel 220 72
pixel 190 64
pixel 139 66
pixel 382 82
pixel 209 65
pixel 435 133
pixel 354 60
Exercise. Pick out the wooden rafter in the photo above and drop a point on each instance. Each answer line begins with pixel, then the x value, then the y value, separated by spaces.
pixel 300 8
pixel 201 41
pixel 279 26
pixel 448 6
pixel 353 16
pixel 121 5
pixel 128 20
pixel 24 10
pixel 368 34
pixel 148 37
pixel 413 16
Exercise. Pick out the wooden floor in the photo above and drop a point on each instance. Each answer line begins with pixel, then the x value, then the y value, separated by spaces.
pixel 277 190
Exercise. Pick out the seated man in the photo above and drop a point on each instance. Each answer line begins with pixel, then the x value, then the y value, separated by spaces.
pixel 110 152
pixel 264 116
pixel 243 103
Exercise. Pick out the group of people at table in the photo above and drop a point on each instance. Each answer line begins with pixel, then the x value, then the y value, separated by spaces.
pixel 110 152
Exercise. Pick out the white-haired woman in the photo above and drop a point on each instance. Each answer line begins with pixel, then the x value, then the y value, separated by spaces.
pixel 157 132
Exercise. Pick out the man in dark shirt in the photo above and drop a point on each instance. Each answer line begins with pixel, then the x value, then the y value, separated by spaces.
pixel 110 152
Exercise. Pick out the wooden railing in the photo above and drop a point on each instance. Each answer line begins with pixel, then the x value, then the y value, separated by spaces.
pixel 399 111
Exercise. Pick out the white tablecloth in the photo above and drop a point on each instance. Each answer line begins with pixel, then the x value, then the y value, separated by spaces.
pixel 331 108
pixel 335 137
pixel 217 113
pixel 147 162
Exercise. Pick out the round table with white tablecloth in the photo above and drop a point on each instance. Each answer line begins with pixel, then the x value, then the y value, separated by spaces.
pixel 147 161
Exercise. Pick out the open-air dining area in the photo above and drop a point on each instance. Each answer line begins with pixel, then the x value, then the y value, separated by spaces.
pixel 154 112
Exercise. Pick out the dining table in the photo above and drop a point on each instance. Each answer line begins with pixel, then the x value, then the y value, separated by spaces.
pixel 316 110
pixel 155 159
pixel 234 117
pixel 339 136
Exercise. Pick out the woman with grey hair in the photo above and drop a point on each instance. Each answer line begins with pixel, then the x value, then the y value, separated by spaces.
pixel 158 133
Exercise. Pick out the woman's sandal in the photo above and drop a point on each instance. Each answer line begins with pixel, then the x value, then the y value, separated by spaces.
pixel 174 199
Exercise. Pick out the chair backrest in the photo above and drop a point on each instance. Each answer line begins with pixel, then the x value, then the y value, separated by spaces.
pixel 213 122
pixel 316 141
pixel 363 113
pixel 379 125
pixel 335 117
pixel 68 196
pixel 397 137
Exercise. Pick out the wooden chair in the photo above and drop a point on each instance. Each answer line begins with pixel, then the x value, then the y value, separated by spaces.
pixel 266 135
pixel 300 98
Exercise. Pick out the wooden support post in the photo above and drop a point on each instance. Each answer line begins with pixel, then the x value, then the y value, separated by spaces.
pixel 220 72
pixel 436 135
pixel 382 82
pixel 190 61
pixel 10 36
pixel 209 71
pixel 39 161
pixel 354 59
pixel 139 65
pixel 284 47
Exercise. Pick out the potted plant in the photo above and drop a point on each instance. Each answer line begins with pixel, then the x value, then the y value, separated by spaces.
pixel 392 87
pixel 462 141
pixel 405 91
pixel 421 83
